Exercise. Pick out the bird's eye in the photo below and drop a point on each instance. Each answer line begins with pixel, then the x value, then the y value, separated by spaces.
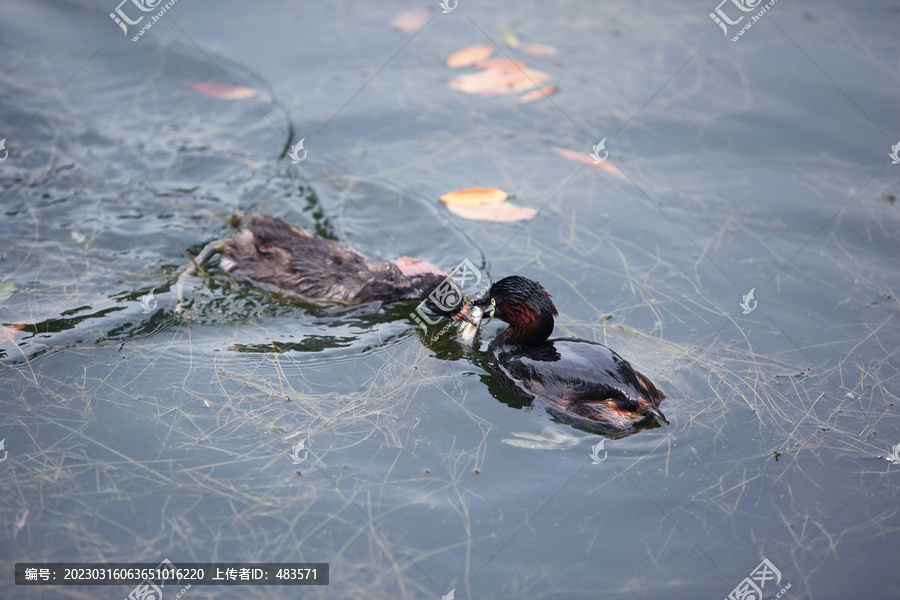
pixel 493 303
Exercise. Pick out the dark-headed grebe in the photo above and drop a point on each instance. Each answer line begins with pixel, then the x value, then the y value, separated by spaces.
pixel 269 251
pixel 577 382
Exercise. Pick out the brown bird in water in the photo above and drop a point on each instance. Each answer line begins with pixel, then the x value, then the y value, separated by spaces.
pixel 270 251
pixel 577 382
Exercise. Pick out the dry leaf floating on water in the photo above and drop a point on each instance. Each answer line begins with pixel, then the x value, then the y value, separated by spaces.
pixel 474 196
pixel 586 159
pixel 8 332
pixel 485 204
pixel 538 50
pixel 499 81
pixel 510 38
pixel 501 63
pixel 222 91
pixel 469 56
pixel 538 94
pixel 410 20
pixel 500 212
pixel 497 75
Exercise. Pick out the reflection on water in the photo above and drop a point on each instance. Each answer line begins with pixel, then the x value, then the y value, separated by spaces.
pixel 135 436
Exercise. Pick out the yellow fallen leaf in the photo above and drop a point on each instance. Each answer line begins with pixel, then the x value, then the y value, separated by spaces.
pixel 539 93
pixel 586 159
pixel 410 20
pixel 473 196
pixel 502 211
pixel 510 38
pixel 538 50
pixel 222 90
pixel 468 56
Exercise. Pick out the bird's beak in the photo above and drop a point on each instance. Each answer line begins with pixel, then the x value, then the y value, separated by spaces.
pixel 464 315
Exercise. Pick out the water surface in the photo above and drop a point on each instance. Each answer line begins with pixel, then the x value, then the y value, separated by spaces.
pixel 761 164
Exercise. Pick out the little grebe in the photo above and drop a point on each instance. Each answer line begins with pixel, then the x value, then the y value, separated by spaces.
pixel 270 251
pixel 577 382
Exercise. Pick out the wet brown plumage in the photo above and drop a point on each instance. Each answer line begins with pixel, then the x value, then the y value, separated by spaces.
pixel 576 381
pixel 270 251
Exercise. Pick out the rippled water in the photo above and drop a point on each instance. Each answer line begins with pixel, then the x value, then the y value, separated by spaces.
pixel 762 164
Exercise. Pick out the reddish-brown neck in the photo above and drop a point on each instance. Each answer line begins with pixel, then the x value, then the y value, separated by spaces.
pixel 527 326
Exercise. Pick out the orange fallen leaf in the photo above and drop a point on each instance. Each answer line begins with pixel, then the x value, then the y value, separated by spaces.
pixel 485 204
pixel 538 50
pixel 410 20
pixel 482 82
pixel 468 56
pixel 500 63
pixel 473 196
pixel 586 159
pixel 527 79
pixel 8 332
pixel 498 81
pixel 501 211
pixel 415 266
pixel 222 90
pixel 539 93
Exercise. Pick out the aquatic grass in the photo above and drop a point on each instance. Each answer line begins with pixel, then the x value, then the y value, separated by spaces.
pixel 248 409
pixel 246 402
pixel 138 439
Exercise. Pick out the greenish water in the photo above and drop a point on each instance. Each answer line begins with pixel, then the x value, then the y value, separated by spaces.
pixel 761 164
